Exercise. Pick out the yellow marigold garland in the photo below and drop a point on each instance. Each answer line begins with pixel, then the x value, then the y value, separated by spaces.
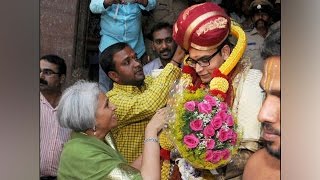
pixel 237 51
pixel 220 84
pixel 166 144
pixel 165 170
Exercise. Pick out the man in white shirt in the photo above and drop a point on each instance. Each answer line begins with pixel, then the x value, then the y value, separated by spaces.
pixel 163 45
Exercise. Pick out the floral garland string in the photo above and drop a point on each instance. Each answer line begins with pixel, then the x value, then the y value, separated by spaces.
pixel 166 147
pixel 226 132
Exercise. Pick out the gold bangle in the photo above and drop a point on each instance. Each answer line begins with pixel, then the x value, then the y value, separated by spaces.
pixel 151 139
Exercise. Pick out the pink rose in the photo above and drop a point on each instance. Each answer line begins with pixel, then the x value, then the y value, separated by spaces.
pixel 216 156
pixel 208 131
pixel 190 106
pixel 222 115
pixel 210 144
pixel 211 100
pixel 234 139
pixel 204 108
pixel 223 106
pixel 216 122
pixel 229 120
pixel 191 141
pixel 209 155
pixel 230 133
pixel 225 154
pixel 196 125
pixel 223 135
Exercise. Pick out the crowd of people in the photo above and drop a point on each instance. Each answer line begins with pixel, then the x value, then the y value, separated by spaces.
pixel 122 126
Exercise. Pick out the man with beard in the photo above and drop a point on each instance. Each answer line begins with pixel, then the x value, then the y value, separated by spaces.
pixel 163 45
pixel 52 136
pixel 260 14
pixel 137 98
pixel 265 163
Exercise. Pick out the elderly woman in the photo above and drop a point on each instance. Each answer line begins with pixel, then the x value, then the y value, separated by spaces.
pixel 90 153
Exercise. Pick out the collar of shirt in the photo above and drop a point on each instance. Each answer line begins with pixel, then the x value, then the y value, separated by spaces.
pixel 158 63
pixel 43 100
pixel 255 31
pixel 129 88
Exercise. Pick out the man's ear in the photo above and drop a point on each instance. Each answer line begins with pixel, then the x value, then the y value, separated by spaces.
pixel 152 46
pixel 62 78
pixel 114 76
pixel 225 52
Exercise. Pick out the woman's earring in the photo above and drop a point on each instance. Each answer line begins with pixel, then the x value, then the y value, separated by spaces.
pixel 94 130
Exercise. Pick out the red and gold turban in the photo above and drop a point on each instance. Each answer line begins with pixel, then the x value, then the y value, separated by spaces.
pixel 203 26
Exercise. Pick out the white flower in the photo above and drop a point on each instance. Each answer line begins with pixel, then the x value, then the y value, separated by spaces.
pixel 187 171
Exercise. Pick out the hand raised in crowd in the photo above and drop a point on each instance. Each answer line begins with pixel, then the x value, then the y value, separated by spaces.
pixel 178 56
pixel 155 125
pixel 150 165
pixel 159 120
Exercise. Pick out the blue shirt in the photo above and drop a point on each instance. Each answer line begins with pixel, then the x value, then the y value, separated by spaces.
pixel 121 23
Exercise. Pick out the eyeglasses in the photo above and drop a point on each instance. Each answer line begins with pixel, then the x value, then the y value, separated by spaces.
pixel 47 72
pixel 203 61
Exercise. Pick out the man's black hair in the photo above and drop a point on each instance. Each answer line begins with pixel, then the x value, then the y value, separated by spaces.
pixel 54 59
pixel 159 26
pixel 106 58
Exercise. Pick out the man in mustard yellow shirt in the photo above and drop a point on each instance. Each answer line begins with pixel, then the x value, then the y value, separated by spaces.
pixel 137 98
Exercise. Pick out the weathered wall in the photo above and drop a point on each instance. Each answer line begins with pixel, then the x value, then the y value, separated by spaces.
pixel 58 19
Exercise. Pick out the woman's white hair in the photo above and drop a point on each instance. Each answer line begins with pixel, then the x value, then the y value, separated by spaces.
pixel 78 105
